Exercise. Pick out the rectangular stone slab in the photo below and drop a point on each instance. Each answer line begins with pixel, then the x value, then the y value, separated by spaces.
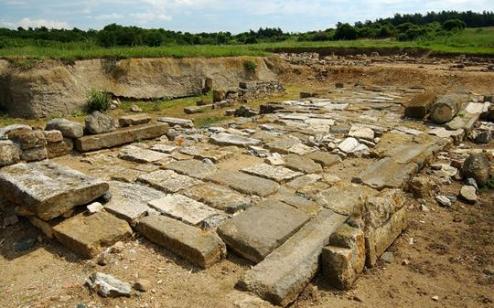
pixel 120 137
pixel 255 233
pixel 283 274
pixel 386 173
pixel 87 235
pixel 219 197
pixel 130 201
pixel 276 173
pixel 139 155
pixel 192 167
pixel 168 181
pixel 48 189
pixel 183 208
pixel 194 245
pixel 245 183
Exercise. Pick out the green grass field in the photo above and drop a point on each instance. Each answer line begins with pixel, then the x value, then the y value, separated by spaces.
pixel 479 41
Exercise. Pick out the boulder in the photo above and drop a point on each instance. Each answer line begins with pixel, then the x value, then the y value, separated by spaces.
pixel 98 123
pixel 69 129
pixel 477 166
pixel 28 139
pixel 9 153
pixel 35 154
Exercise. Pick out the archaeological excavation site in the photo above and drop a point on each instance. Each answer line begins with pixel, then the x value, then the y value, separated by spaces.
pixel 308 179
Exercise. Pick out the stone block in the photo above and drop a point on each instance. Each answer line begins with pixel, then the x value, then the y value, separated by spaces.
pixel 9 153
pixel 140 155
pixel 69 129
pixel 324 158
pixel 194 245
pixel 120 137
pixel 192 167
pixel 283 274
pixel 48 189
pixel 231 139
pixel 302 163
pixel 218 197
pixel 53 136
pixel 345 198
pixel 245 183
pixel 177 122
pixel 87 235
pixel 35 154
pixel 133 119
pixel 276 173
pixel 386 173
pixel 28 139
pixel 183 208
pixel 259 230
pixel 168 181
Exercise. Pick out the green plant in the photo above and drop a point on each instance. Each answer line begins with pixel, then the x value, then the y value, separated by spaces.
pixel 98 101
pixel 250 66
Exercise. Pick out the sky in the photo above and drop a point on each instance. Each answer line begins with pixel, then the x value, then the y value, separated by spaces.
pixel 216 15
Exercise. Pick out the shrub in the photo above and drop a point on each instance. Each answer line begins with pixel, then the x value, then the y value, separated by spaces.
pixel 250 66
pixel 345 32
pixel 98 101
pixel 454 24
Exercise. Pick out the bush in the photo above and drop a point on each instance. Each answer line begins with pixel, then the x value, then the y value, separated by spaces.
pixel 250 66
pixel 454 24
pixel 98 101
pixel 345 32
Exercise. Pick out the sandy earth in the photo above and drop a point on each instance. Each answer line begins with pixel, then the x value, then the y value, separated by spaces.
pixel 442 260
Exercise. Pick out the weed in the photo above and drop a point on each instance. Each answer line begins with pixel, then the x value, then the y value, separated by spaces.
pixel 98 101
pixel 250 66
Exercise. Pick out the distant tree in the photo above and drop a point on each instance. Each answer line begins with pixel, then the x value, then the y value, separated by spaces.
pixel 454 24
pixel 345 32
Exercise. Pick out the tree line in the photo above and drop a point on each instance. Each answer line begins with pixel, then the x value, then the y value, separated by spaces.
pixel 400 27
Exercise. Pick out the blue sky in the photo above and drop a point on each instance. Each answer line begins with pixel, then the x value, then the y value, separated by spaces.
pixel 215 15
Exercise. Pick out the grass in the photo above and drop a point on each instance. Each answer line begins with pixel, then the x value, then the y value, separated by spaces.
pixel 469 41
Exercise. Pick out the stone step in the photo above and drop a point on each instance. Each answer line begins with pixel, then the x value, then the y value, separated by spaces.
pixel 194 245
pixel 48 189
pixel 87 235
pixel 283 274
pixel 120 137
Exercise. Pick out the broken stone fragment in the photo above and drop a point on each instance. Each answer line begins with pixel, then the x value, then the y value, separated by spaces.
pixel 107 285
pixel 469 194
pixel 134 119
pixel 176 121
pixel 477 166
pixel 68 128
pixel 9 153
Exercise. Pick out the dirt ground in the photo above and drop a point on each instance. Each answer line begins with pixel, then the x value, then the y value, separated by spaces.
pixel 444 259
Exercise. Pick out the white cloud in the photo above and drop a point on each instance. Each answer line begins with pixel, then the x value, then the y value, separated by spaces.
pixel 36 23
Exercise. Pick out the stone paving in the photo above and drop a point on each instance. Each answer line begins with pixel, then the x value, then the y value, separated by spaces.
pixel 263 188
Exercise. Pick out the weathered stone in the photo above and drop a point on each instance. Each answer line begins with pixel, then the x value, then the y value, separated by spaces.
pixel 443 201
pixel 380 208
pixel 134 119
pixel 183 208
pixel 48 189
pixel 378 239
pixel 218 197
pixel 345 199
pixel 9 153
pixel 324 158
pixel 259 230
pixel 422 186
pixel 469 194
pixel 164 148
pixel 53 136
pixel 307 206
pixel 168 181
pixel 344 259
pixel 194 245
pixel 107 285
pixel 14 128
pixel 140 155
pixel 87 235
pixel 301 149
pixel 245 183
pixel 283 274
pixel 197 109
pixel 36 154
pixel 214 155
pixel 446 107
pixel 302 163
pixel 360 132
pixel 120 137
pixel 282 145
pixel 276 173
pixel 303 181
pixel 98 123
pixel 43 226
pixel 28 139
pixel 420 105
pixel 351 145
pixel 477 166
pixel 193 168
pixel 231 139
pixel 386 173
pixel 177 122
pixel 130 201
pixel 68 128
pixel 57 149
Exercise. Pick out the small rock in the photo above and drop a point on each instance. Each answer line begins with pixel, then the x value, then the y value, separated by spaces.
pixel 95 207
pixel 469 194
pixel 98 123
pixel 388 257
pixel 102 259
pixel 405 262
pixel 476 166
pixel 435 298
pixel 472 182
pixel 443 200
pixel 489 270
pixel 118 247
pixel 10 221
pixel 142 285
pixel 107 285
pixel 135 108
pixel 275 159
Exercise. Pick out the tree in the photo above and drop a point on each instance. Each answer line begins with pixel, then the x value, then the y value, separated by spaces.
pixel 345 32
pixel 454 24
